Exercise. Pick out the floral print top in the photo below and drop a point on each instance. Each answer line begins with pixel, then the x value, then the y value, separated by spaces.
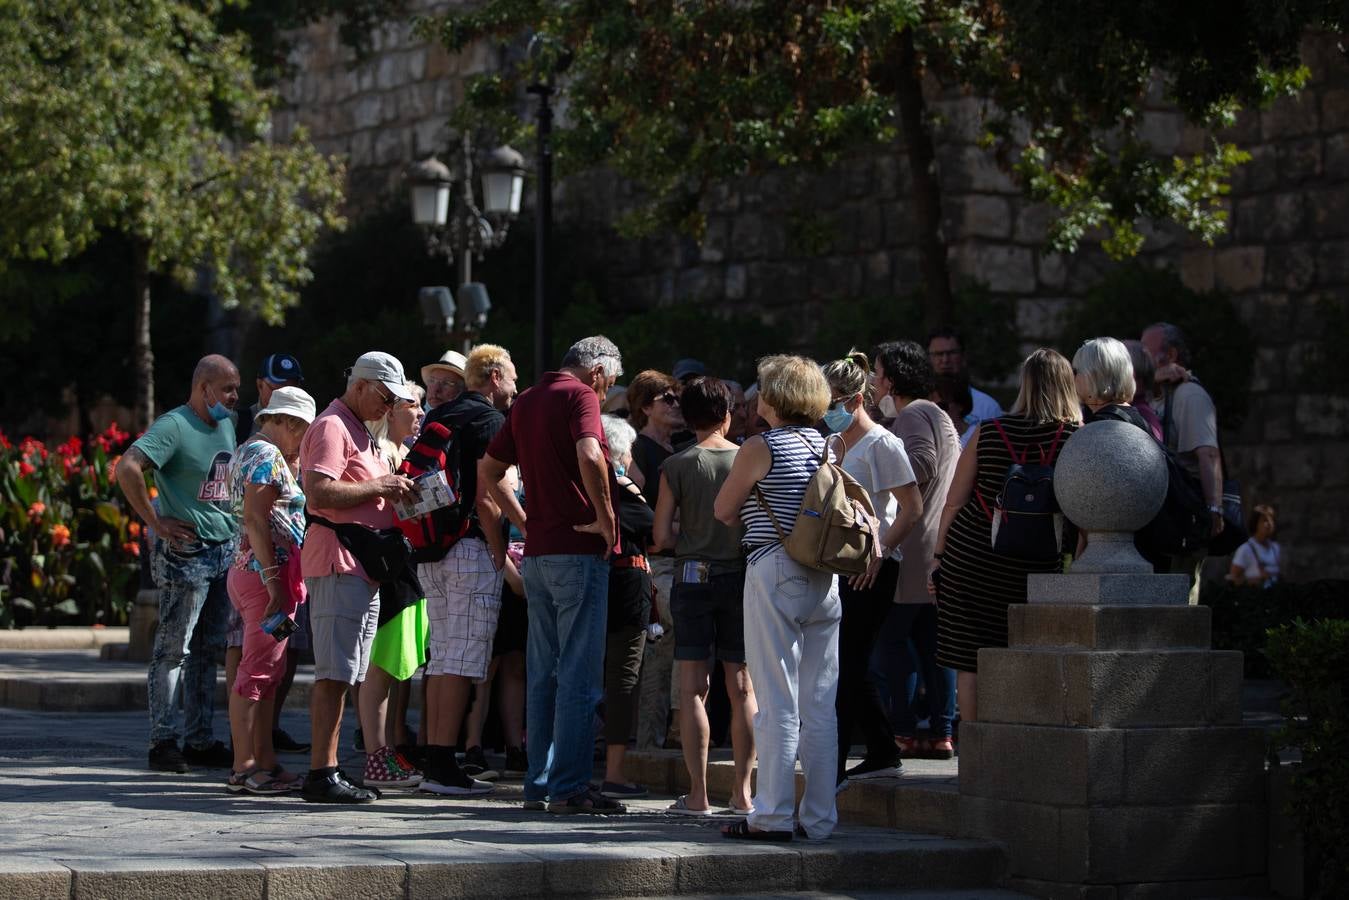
pixel 258 461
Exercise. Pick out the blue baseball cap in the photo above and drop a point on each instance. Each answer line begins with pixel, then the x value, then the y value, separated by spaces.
pixel 281 368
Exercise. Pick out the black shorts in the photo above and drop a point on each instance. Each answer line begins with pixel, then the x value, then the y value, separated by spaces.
pixel 512 624
pixel 709 618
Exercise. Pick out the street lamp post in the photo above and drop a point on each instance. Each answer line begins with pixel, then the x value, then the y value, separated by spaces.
pixel 460 230
pixel 543 227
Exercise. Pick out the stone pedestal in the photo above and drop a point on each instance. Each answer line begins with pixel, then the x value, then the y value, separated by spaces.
pixel 143 622
pixel 1109 755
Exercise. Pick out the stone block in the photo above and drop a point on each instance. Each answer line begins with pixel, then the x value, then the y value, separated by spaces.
pixel 1336 161
pixel 736 276
pixel 925 864
pixel 1051 270
pixel 142 879
pixel 974 169
pixel 1092 589
pixel 1109 627
pixel 1030 831
pixel 1196 269
pixel 1032 223
pixel 758 870
pixel 1110 688
pixel 628 872
pixel 1169 766
pixel 1332 263
pixel 1004 268
pixel 1068 767
pixel 1289 116
pixel 1238 269
pixel 1269 217
pixel 1299 161
pixel 1330 212
pixel 507 879
pixel 34 879
pixel 1175 843
pixel 312 879
pixel 983 215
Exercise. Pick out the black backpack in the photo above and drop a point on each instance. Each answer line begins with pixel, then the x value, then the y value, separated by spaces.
pixel 1025 515
pixel 1189 525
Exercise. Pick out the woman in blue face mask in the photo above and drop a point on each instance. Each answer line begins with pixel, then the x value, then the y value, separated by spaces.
pixel 876 458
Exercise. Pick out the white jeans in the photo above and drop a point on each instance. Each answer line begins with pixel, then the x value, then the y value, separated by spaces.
pixel 792 615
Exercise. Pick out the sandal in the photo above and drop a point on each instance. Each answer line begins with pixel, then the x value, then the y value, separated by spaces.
pixel 741 831
pixel 681 808
pixel 736 810
pixel 235 784
pixel 588 801
pixel 292 780
pixel 261 783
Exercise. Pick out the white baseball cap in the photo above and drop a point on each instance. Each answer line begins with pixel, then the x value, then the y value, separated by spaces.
pixel 289 401
pixel 387 370
pixel 450 361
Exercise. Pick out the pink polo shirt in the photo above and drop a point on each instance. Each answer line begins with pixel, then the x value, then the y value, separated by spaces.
pixel 339 446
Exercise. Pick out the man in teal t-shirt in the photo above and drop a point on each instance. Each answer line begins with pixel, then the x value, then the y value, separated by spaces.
pixel 188 449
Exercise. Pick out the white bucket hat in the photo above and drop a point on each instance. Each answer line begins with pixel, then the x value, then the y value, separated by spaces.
pixel 290 401
pixel 450 361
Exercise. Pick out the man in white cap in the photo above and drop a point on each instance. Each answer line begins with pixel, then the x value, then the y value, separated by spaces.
pixel 444 378
pixel 346 482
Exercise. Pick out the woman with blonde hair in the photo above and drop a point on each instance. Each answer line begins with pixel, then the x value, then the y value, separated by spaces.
pixel 792 612
pixel 975 585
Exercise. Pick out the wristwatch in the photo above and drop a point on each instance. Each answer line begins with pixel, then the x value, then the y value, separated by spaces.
pixel 1215 508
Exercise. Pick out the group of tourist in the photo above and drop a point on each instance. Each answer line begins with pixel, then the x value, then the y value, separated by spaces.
pixel 612 555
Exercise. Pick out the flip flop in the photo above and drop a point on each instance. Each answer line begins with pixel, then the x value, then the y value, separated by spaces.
pixel 261 783
pixel 738 811
pixel 741 831
pixel 237 782
pixel 681 808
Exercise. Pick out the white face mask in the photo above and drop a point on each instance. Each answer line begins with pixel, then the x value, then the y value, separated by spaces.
pixel 887 405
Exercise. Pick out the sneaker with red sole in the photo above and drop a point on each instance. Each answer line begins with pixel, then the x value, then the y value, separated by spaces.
pixel 383 770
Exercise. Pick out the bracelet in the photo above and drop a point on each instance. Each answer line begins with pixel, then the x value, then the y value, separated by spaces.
pixel 1214 508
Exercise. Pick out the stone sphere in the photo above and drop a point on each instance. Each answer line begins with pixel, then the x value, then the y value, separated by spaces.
pixel 1110 476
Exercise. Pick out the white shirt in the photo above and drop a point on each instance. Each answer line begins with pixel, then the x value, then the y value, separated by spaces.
pixel 985 408
pixel 880 465
pixel 1250 556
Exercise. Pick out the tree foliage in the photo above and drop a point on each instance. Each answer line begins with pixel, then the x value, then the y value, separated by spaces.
pixel 144 120
pixel 678 95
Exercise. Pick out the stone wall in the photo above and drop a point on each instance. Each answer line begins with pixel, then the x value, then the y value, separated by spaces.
pixel 1288 245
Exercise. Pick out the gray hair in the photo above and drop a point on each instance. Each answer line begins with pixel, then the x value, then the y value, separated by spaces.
pixel 1173 339
pixel 619 435
pixel 1105 363
pixel 595 351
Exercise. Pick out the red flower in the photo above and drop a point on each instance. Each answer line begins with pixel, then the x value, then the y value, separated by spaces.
pixel 72 447
pixel 132 547
pixel 4 442
pixel 36 510
pixel 25 468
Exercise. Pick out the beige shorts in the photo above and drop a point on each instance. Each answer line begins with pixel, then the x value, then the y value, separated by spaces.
pixel 463 601
pixel 343 613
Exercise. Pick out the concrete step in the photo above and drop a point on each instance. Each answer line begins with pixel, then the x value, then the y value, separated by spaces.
pixel 62 638
pixel 925 799
pixel 81 681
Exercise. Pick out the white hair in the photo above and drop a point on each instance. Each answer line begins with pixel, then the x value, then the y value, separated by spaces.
pixel 1108 369
pixel 619 435
pixel 595 351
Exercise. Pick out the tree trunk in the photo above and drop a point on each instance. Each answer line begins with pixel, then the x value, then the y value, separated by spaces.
pixel 939 305
pixel 142 358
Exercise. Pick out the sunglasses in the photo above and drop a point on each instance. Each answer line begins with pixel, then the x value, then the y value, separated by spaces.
pixel 669 399
pixel 387 399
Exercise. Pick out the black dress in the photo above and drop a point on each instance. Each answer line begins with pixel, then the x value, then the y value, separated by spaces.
pixel 977 585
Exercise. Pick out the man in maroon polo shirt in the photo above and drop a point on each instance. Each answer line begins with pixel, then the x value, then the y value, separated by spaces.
pixel 553 433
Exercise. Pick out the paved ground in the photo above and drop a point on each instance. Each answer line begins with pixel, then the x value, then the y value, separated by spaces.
pixel 80 816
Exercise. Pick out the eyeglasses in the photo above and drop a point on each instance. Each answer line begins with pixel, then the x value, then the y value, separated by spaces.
pixel 387 399
pixel 442 382
pixel 669 399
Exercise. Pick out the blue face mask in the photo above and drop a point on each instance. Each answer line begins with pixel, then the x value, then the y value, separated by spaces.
pixel 837 418
pixel 218 411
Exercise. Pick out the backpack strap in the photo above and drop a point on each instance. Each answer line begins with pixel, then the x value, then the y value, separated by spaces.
pixel 1053 448
pixel 997 423
pixel 763 504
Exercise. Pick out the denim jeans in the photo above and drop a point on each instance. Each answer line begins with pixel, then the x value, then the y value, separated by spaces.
pixel 919 622
pixel 568 606
pixel 193 618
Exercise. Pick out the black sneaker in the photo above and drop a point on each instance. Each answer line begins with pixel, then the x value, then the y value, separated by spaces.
pixel 870 768
pixel 517 763
pixel 165 757
pixel 213 756
pixel 588 802
pixel 453 782
pixel 284 743
pixel 413 753
pixel 335 788
pixel 475 765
